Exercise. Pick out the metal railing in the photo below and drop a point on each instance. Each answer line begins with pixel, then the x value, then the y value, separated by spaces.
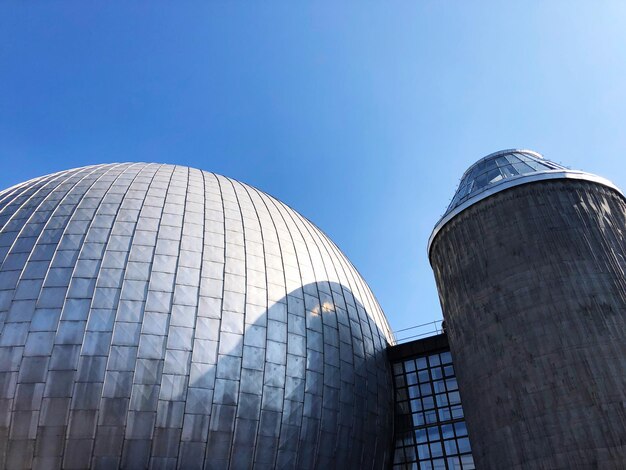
pixel 418 331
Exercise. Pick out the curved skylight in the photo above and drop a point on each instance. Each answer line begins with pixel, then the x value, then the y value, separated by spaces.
pixel 497 167
pixel 504 170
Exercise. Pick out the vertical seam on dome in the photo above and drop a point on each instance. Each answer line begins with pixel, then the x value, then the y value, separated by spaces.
pixel 336 259
pixel 195 323
pixel 281 218
pixel 116 321
pixel 290 212
pixel 28 198
pixel 263 199
pixel 165 350
pixel 105 170
pixel 284 209
pixel 35 185
pixel 217 184
pixel 267 307
pixel 124 427
pixel 110 170
pixel 219 331
pixel 265 202
pixel 281 210
pixel 9 195
pixel 245 267
pixel 341 278
pixel 79 178
pixel 372 321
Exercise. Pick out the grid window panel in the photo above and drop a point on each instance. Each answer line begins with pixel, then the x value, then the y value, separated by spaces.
pixel 430 430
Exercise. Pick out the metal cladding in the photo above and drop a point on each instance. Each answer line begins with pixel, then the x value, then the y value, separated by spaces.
pixel 532 284
pixel 157 315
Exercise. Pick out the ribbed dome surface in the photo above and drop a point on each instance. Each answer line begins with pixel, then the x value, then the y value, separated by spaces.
pixel 157 315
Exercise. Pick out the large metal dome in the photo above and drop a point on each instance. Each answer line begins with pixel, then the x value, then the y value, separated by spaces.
pixel 158 315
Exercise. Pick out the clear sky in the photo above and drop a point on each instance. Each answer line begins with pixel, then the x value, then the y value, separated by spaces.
pixel 360 115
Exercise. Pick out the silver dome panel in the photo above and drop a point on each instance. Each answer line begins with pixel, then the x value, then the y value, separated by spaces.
pixel 162 316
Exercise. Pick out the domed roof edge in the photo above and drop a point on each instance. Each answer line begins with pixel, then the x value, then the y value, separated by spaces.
pixel 517 181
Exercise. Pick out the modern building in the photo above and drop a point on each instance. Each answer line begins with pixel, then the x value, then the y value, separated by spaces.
pixel 530 263
pixel 429 423
pixel 161 316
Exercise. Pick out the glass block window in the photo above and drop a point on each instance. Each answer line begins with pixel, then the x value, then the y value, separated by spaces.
pixel 430 431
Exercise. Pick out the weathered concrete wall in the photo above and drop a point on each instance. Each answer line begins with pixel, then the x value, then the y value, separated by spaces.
pixel 533 287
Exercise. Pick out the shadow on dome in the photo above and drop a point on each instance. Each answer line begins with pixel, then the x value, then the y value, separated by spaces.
pixel 303 384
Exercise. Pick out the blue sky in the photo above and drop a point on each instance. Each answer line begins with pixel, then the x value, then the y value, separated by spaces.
pixel 360 115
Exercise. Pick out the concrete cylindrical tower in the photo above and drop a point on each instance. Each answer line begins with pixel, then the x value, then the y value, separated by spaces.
pixel 530 263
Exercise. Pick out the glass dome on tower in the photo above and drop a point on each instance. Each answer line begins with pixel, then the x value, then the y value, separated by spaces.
pixel 503 170
pixel 497 168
